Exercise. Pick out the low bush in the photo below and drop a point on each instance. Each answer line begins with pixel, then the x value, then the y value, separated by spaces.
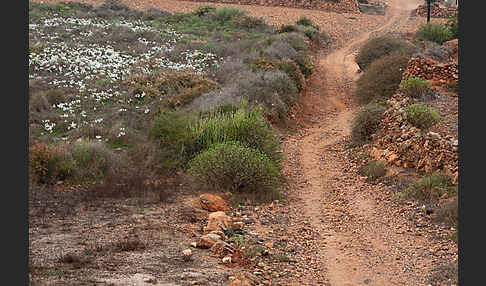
pixel 366 123
pixel 415 87
pixel 230 166
pixel 428 189
pixel 171 131
pixel 226 14
pixel 176 88
pixel 48 164
pixel 382 78
pixel 448 213
pixel 93 160
pixel 453 26
pixel 422 116
pixel 381 46
pixel 434 32
pixel 287 29
pixel 204 10
pixel 373 170
pixel 274 89
pixel 304 21
pixel 249 128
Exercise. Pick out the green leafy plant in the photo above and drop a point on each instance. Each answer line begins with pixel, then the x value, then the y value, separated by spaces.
pixel 422 116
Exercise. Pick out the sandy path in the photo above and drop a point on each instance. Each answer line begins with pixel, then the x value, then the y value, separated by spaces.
pixel 361 244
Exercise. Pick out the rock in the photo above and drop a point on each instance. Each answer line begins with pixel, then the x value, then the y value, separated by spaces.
pixel 187 254
pixel 392 157
pixel 207 240
pixel 227 259
pixel 221 249
pixel 219 233
pixel 191 214
pixel 213 203
pixel 238 225
pixel 218 221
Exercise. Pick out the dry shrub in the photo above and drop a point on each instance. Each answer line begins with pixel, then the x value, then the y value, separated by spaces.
pixel 48 164
pixel 93 160
pixel 378 47
pixel 373 170
pixel 449 213
pixel 382 78
pixel 177 88
pixel 366 123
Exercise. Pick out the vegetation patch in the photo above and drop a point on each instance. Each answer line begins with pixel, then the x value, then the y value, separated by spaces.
pixel 416 87
pixel 366 123
pixel 434 32
pixel 378 47
pixel 382 78
pixel 422 116
pixel 373 170
pixel 428 189
pixel 233 167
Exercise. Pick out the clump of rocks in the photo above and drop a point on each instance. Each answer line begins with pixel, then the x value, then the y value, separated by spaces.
pixel 404 145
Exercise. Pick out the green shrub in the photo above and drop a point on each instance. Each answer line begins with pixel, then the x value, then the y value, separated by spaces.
pixel 422 116
pixel 373 170
pixel 366 123
pixel 226 14
pixel 453 26
pixel 249 128
pixel 382 78
pixel 204 10
pixel 304 21
pixel 415 87
pixel 233 167
pixel 381 46
pixel 172 131
pixel 434 32
pixel 273 89
pixel 287 29
pixel 428 188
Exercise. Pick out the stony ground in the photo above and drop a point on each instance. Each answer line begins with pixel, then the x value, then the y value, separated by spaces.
pixel 334 227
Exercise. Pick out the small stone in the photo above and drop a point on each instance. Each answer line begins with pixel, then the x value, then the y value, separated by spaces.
pixel 187 254
pixel 227 259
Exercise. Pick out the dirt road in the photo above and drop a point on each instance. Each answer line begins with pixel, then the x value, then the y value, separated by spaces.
pixel 361 244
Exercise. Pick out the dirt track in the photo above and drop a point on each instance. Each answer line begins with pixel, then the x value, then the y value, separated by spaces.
pixel 361 244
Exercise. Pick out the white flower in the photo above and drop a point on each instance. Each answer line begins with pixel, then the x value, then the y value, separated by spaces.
pixel 72 126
